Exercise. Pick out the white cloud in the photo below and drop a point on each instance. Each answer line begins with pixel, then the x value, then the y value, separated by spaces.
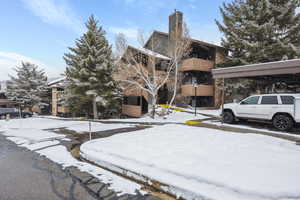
pixel 130 33
pixel 9 60
pixel 55 12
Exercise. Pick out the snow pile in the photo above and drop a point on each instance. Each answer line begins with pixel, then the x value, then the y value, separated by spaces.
pixel 205 163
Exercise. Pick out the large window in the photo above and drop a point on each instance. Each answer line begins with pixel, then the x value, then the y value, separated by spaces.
pixel 287 100
pixel 141 58
pixel 251 101
pixel 131 100
pixel 202 52
pixel 270 100
pixel 200 77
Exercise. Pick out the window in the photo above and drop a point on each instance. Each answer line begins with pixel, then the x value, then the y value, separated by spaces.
pixel 287 100
pixel 251 100
pixel 269 100
pixel 131 100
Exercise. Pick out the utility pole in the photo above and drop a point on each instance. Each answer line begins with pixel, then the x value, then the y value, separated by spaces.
pixel 90 129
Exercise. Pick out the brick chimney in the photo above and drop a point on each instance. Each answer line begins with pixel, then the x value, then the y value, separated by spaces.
pixel 175 29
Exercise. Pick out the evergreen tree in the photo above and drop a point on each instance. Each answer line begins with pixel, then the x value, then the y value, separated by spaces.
pixel 258 31
pixel 29 87
pixel 89 72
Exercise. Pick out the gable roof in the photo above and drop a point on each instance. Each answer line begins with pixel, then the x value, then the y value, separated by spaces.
pixel 193 40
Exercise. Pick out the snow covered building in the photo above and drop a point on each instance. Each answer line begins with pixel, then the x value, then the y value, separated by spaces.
pixel 196 85
pixel 4 102
pixel 57 90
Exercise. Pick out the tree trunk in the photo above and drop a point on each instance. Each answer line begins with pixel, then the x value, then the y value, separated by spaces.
pixel 175 86
pixel 95 111
pixel 153 104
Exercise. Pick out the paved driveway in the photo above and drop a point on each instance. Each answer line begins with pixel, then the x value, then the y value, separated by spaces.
pixel 25 175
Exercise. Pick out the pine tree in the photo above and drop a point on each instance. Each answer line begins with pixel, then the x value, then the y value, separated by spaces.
pixel 89 71
pixel 258 31
pixel 29 87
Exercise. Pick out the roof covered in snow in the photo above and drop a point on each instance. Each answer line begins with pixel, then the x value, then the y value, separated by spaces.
pixel 55 81
pixel 149 52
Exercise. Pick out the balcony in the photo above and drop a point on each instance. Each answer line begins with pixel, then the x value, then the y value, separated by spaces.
pixel 202 90
pixel 62 109
pixel 132 110
pixel 197 64
pixel 136 93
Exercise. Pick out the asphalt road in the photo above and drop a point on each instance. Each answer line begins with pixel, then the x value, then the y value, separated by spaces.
pixel 24 175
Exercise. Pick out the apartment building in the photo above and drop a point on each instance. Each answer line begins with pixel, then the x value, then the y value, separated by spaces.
pixel 196 85
pixel 57 91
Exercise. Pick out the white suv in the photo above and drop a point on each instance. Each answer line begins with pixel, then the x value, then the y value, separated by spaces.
pixel 283 110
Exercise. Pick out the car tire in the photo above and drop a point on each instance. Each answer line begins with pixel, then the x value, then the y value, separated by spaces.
pixel 228 117
pixel 283 122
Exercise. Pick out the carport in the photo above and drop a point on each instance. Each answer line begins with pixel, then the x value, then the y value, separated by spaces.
pixel 288 70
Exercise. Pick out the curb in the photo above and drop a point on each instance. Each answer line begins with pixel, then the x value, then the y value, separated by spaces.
pixel 173 191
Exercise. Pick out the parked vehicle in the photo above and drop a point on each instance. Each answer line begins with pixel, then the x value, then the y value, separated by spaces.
pixel 13 113
pixel 283 110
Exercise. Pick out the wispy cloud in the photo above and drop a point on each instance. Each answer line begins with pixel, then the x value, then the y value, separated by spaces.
pixel 130 33
pixel 9 60
pixel 55 12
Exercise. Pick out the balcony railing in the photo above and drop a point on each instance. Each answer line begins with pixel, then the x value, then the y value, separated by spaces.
pixel 197 64
pixel 201 90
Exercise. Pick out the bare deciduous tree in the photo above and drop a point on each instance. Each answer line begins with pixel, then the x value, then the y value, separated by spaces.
pixel 147 70
pixel 120 45
pixel 181 49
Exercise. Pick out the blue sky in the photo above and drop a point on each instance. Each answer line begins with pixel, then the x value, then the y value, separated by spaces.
pixel 40 31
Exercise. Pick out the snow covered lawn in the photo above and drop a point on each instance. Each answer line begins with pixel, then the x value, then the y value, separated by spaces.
pixel 200 162
pixel 44 123
pixel 31 133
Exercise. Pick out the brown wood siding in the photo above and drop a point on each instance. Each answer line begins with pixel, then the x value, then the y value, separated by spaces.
pixel 202 90
pixel 197 64
pixel 62 109
pixel 132 111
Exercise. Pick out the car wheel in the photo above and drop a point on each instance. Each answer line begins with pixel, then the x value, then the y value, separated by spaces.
pixel 283 122
pixel 228 117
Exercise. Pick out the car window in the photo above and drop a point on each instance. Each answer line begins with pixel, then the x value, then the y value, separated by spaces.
pixel 287 100
pixel 251 100
pixel 269 100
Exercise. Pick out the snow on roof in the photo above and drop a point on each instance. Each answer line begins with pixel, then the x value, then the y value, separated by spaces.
pixel 56 81
pixel 149 52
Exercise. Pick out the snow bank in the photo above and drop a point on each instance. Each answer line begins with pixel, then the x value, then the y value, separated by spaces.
pixel 200 162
